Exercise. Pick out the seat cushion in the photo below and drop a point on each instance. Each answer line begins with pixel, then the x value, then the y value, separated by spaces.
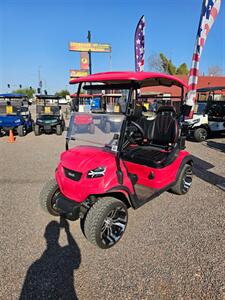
pixel 146 156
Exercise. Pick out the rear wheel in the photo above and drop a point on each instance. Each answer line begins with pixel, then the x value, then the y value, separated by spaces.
pixel 184 181
pixel 21 130
pixel 200 134
pixel 105 222
pixel 58 129
pixel 36 130
pixel 48 197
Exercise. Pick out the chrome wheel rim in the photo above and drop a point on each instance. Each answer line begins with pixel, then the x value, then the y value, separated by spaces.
pixel 113 226
pixel 187 180
pixel 203 135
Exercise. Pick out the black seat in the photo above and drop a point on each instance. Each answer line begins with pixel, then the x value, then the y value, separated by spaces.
pixel 162 135
pixel 164 132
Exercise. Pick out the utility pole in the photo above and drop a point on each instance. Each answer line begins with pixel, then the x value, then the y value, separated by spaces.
pixel 39 79
pixel 89 52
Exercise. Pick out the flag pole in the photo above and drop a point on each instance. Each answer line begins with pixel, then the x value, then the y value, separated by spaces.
pixel 209 12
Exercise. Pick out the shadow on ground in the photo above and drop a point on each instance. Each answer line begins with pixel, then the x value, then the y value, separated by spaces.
pixel 52 275
pixel 202 170
pixel 216 146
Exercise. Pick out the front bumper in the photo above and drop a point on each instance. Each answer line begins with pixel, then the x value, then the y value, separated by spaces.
pixel 79 190
pixel 67 208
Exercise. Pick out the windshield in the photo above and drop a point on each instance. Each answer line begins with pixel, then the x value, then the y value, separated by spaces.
pixel 98 116
pixel 48 110
pixel 8 109
pixel 95 129
pixel 200 108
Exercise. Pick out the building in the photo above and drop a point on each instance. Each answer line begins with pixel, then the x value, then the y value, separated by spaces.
pixel 203 81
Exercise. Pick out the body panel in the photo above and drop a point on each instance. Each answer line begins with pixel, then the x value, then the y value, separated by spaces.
pixel 83 159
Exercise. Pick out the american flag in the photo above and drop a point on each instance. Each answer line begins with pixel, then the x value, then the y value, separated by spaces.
pixel 210 10
pixel 140 45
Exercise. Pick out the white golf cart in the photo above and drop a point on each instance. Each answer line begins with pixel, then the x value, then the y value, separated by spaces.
pixel 209 113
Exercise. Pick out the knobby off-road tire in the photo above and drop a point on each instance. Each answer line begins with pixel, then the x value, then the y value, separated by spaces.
pixel 184 181
pixel 106 222
pixel 20 130
pixel 200 134
pixel 36 130
pixel 47 197
pixel 58 129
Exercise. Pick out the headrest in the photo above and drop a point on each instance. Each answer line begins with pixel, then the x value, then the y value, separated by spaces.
pixel 166 108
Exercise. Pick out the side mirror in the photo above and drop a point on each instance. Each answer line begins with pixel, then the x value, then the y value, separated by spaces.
pixel 60 106
pixel 116 136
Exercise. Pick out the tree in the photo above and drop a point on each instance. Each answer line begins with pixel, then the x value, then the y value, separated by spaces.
pixel 62 93
pixel 155 63
pixel 182 69
pixel 160 63
pixel 215 71
pixel 29 92
pixel 168 66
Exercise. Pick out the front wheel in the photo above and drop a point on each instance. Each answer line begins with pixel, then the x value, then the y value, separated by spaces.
pixel 200 134
pixel 184 181
pixel 58 129
pixel 36 130
pixel 48 197
pixel 106 222
pixel 21 130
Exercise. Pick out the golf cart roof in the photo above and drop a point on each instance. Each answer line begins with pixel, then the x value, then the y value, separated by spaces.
pixel 211 89
pixel 48 97
pixel 142 79
pixel 19 96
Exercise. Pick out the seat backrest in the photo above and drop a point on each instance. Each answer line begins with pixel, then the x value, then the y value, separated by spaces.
pixel 165 128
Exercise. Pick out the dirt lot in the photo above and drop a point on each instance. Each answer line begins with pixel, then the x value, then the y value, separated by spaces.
pixel 173 248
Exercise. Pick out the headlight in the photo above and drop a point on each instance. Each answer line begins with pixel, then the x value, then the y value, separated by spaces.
pixel 17 121
pixel 191 121
pixel 98 172
pixel 196 121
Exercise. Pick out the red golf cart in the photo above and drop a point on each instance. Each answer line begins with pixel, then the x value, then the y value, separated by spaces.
pixel 100 180
pixel 83 121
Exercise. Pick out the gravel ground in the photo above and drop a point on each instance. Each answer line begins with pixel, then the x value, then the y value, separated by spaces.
pixel 173 247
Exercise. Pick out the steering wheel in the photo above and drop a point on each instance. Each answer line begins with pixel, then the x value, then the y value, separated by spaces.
pixel 133 137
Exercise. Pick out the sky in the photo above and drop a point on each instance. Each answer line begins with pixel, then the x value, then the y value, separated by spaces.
pixel 34 37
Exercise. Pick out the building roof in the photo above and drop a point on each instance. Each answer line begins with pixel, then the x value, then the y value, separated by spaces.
pixel 203 82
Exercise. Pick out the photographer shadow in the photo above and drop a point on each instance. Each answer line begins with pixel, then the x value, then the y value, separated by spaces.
pixel 52 275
